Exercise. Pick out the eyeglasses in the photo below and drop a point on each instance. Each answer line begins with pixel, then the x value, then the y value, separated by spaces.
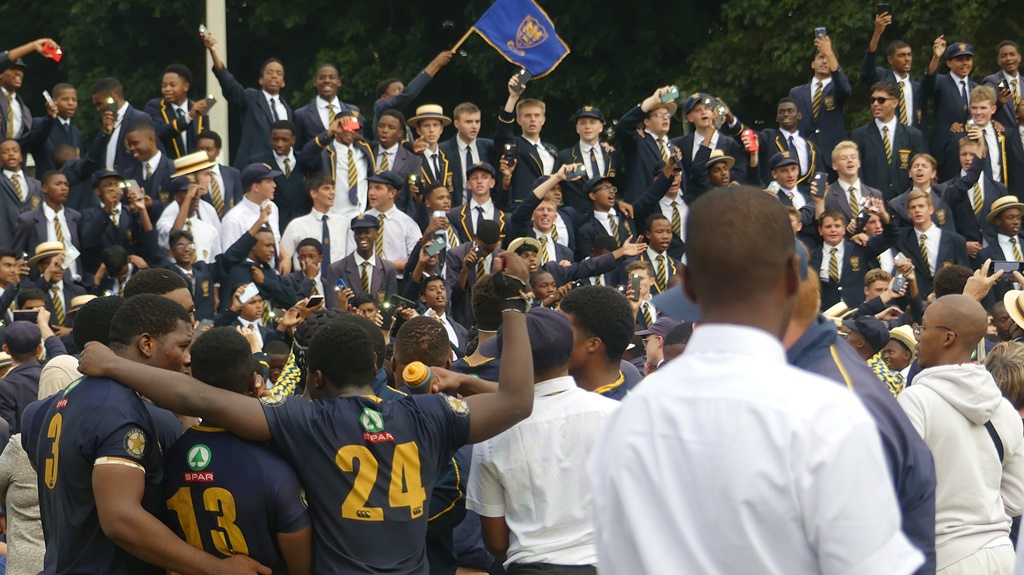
pixel 185 247
pixel 921 328
pixel 880 100
pixel 661 115
pixel 649 339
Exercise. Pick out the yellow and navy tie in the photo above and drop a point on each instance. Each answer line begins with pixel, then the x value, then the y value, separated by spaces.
pixel 887 145
pixel 854 205
pixel 58 306
pixel 58 230
pixel 1016 250
pixel 17 187
pixel 816 102
pixel 663 150
pixel 217 197
pixel 677 221
pixel 662 278
pixel 645 309
pixel 904 119
pixel 378 244
pixel 977 198
pixel 364 277
pixel 924 253
pixel 833 266
pixel 543 250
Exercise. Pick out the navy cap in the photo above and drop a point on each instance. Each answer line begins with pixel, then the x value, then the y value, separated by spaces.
pixel 661 327
pixel 590 112
pixel 872 329
pixel 694 99
pixel 104 173
pixel 550 338
pixel 11 64
pixel 592 183
pixel 178 184
pixel 959 49
pixel 364 221
pixel 24 337
pixel 256 173
pixel 781 159
pixel 387 178
pixel 481 166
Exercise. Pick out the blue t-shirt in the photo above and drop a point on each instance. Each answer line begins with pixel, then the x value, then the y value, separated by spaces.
pixel 368 466
pixel 93 420
pixel 228 496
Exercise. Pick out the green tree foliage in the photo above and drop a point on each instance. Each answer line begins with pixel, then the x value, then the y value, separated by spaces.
pixel 748 52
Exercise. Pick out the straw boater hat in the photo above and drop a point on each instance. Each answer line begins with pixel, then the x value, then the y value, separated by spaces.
pixel 430 112
pixel 1013 300
pixel 905 335
pixel 80 300
pixel 719 156
pixel 45 250
pixel 1002 204
pixel 524 241
pixel 838 313
pixel 192 163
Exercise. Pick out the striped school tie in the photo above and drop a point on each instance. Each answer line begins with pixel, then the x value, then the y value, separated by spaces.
pixel 58 230
pixel 58 307
pixel 833 266
pixel 217 196
pixel 662 278
pixel 1016 250
pixel 816 102
pixel 854 206
pixel 924 253
pixel 888 146
pixel 543 250
pixel 645 309
pixel 378 244
pixel 904 119
pixel 364 277
pixel 977 198
pixel 677 222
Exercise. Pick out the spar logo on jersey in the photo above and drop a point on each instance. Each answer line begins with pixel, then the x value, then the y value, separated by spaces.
pixel 372 420
pixel 198 458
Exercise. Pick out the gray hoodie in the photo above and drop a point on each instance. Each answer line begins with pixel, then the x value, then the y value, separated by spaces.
pixel 975 494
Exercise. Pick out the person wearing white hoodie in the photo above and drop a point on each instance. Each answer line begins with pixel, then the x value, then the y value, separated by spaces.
pixel 976 438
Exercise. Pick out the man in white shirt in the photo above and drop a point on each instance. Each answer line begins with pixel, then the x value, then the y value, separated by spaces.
pixel 258 181
pixel 974 434
pixel 205 237
pixel 529 484
pixel 465 149
pixel 785 443
pixel 785 170
pixel 984 103
pixel 928 246
pixel 321 223
pixel 398 234
pixel 846 195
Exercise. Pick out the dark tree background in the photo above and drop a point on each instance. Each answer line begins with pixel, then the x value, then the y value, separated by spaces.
pixel 748 52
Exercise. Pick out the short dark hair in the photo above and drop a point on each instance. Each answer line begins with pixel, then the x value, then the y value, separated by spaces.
pixel 834 214
pixel 284 125
pixel 535 276
pixel 422 339
pixel 340 350
pixel 181 70
pixel 486 304
pixel 142 126
pixel 373 332
pixel 361 299
pixel 108 85
pixel 30 294
pixel 211 135
pixel 888 87
pixel 650 221
pixel 309 326
pixel 896 45
pixel 430 189
pixel 950 280
pixel 396 115
pixel 49 175
pixel 222 358
pixel 604 242
pixel 319 179
pixel 327 65
pixel 92 322
pixel 155 281
pixel 603 313
pixel 269 61
pixel 786 100
pixel 177 235
pixel 382 87
pixel 114 257
pixel 6 253
pixel 61 87
pixel 1006 43
pixel 310 242
pixel 430 279
pixel 146 313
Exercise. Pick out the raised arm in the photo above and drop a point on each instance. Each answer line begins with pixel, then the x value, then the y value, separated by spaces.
pixel 179 393
pixel 512 402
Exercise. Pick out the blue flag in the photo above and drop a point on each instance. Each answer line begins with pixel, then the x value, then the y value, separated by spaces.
pixel 524 34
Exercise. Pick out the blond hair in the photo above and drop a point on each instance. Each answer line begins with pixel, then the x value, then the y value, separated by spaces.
pixel 1006 363
pixel 844 145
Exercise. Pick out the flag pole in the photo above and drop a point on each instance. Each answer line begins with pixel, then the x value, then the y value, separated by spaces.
pixel 462 40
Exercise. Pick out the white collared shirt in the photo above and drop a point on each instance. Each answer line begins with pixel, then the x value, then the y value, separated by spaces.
pixel 826 259
pixel 311 226
pixel 255 326
pixel 546 159
pixel 962 85
pixel 401 235
pixel 279 160
pixel 563 230
pixel 795 197
pixel 15 105
pixel 241 217
pixel 205 236
pixel 891 124
pixel 604 217
pixel 784 443
pixel 993 153
pixel 473 212
pixel 341 155
pixel 933 233
pixel 699 139
pixel 116 137
pixel 324 113
pixel 585 149
pixel 908 96
pixel 1007 247
pixel 802 150
pixel 443 318
pixel 534 475
pixel 548 244
pixel 369 269
pixel 824 84
pixel 59 284
pixel 152 163
pixel 662 139
pixel 389 153
pixel 649 304
pixel 22 181
pixel 51 229
pixel 653 256
pixel 429 157
pixel 666 203
pixel 474 154
pixel 275 103
pixel 858 191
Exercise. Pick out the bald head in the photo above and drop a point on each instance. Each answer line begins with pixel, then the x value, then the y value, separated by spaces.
pixel 736 239
pixel 951 330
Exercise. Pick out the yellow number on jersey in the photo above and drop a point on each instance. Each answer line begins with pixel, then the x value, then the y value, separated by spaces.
pixel 405 490
pixel 228 540
pixel 53 432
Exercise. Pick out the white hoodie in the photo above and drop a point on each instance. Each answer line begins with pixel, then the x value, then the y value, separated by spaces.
pixel 974 495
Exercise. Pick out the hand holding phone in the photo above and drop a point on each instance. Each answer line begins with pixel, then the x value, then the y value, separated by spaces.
pixel 670 96
pixel 211 101
pixel 248 293
pixel 314 300
pixel 524 77
pixel 820 32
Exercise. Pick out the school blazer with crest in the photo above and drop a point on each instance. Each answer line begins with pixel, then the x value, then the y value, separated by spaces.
pixel 528 164
pixel 572 191
pixel 771 142
pixel 876 171
pixel 857 261
pixel 169 128
pixel 952 250
pixel 463 219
